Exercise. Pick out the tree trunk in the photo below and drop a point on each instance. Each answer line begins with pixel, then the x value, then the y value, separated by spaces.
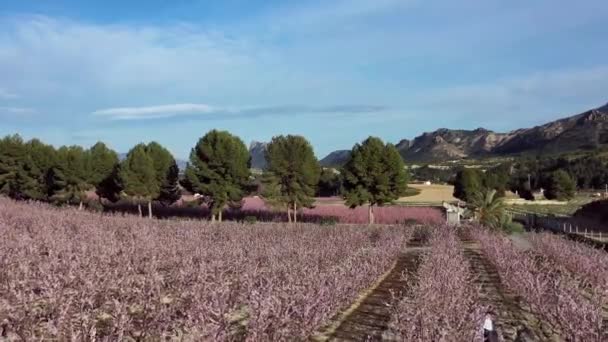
pixel 288 213
pixel 219 216
pixel 295 212
pixel 139 209
pixel 149 209
pixel 370 214
pixel 212 217
pixel 80 207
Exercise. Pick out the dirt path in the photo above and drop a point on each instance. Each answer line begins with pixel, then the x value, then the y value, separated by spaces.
pixel 367 319
pixel 521 241
pixel 513 319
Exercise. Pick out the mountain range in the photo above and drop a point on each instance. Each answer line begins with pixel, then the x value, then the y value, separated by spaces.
pixel 585 131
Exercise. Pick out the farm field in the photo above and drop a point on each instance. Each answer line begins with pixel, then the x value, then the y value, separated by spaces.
pixel 74 275
pixel 557 208
pixel 335 208
pixel 434 193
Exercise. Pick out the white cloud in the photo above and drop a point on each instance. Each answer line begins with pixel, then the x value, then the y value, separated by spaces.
pixel 192 109
pixel 155 112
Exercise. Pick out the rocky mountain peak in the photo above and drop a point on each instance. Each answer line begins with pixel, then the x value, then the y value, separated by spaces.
pixel 579 132
pixel 594 116
pixel 257 152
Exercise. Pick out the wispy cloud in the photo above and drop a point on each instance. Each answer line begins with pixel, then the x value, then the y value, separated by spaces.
pixel 17 110
pixel 208 111
pixel 155 112
pixel 7 95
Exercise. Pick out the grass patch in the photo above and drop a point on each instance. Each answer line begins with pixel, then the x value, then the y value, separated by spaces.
pixel 409 192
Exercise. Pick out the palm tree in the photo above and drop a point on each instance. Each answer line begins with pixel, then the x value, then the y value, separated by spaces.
pixel 489 209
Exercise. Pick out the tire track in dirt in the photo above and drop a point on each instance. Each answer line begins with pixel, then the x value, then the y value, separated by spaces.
pixel 368 319
pixel 513 321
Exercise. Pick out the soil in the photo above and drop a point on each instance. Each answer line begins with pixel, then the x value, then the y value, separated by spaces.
pixel 514 321
pixel 368 319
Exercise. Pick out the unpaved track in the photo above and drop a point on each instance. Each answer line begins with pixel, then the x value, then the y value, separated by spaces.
pixel 512 318
pixel 370 318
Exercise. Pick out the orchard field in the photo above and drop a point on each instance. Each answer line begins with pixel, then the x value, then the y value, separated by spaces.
pixel 76 275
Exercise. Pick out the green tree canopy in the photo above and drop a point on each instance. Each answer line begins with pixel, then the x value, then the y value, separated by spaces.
pixel 374 175
pixel 560 186
pixel 43 158
pixel 102 171
pixel 20 177
pixel 68 178
pixel 330 183
pixel 167 173
pixel 292 173
pixel 468 183
pixel 139 177
pixel 219 170
pixel 489 208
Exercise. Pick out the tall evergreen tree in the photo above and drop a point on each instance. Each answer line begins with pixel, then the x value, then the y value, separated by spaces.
pixel 102 171
pixel 23 168
pixel 219 170
pixel 139 177
pixel 43 158
pixel 561 186
pixel 11 159
pixel 68 178
pixel 374 175
pixel 330 183
pixel 292 173
pixel 167 173
pixel 468 183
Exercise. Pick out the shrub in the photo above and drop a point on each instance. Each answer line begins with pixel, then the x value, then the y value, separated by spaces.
pixel 513 227
pixel 95 206
pixel 561 186
pixel 250 219
pixel 410 222
pixel 328 221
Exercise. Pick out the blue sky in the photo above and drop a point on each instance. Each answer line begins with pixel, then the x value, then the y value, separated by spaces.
pixel 75 72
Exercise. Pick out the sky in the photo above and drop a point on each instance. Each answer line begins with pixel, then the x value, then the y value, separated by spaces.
pixel 336 72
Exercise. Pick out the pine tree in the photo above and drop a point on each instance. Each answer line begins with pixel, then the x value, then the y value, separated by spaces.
pixel 330 183
pixel 23 167
pixel 11 159
pixel 374 175
pixel 139 177
pixel 219 170
pixel 68 178
pixel 167 173
pixel 293 173
pixel 43 157
pixel 102 167
pixel 467 184
pixel 561 186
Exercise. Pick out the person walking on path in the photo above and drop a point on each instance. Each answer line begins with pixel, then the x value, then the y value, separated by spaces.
pixel 489 334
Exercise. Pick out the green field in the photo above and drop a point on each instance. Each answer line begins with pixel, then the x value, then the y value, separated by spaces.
pixel 565 209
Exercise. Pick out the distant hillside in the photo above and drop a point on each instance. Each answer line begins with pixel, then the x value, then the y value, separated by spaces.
pixel 585 131
pixel 336 158
pixel 257 151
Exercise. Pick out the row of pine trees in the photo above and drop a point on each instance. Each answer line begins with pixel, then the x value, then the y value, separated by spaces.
pixel 218 169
